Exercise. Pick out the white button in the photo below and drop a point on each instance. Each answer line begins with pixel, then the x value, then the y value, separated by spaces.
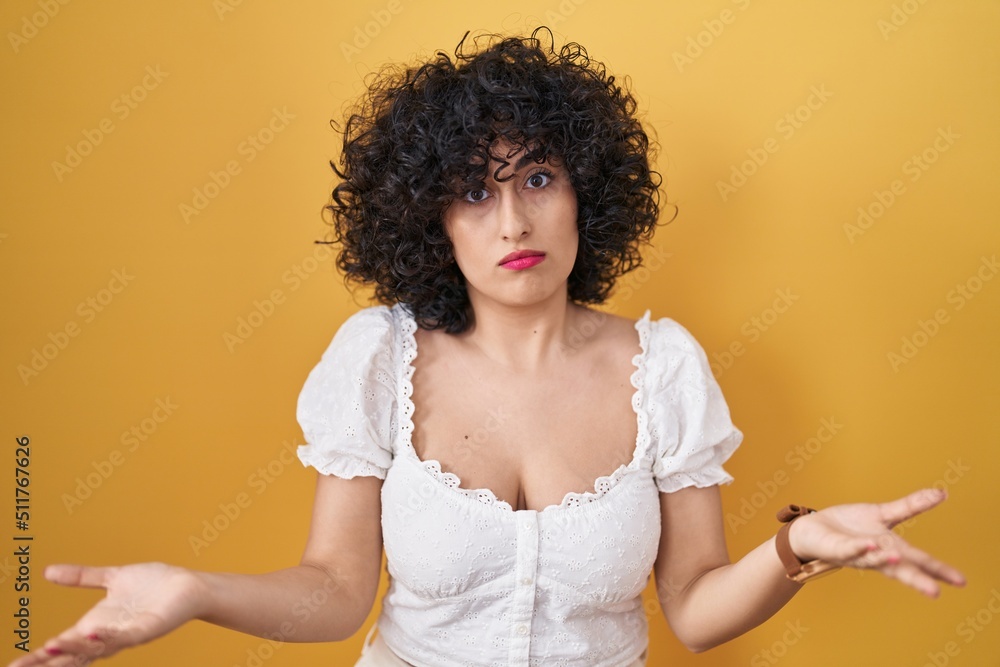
pixel 522 629
pixel 526 581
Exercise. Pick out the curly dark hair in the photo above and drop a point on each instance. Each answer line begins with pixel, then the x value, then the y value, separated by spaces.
pixel 421 137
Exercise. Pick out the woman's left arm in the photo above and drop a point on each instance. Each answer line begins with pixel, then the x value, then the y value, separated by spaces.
pixel 707 600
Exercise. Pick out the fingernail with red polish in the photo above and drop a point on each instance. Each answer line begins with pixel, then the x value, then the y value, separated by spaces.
pixel 53 651
pixel 93 636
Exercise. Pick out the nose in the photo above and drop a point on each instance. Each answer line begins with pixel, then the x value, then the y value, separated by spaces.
pixel 515 217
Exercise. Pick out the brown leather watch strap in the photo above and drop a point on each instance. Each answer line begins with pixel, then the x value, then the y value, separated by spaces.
pixel 797 570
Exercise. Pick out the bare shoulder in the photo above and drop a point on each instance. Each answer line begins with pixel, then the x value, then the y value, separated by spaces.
pixel 605 333
pixel 432 342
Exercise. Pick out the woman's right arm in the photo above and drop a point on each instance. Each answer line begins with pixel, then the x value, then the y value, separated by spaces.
pixel 327 597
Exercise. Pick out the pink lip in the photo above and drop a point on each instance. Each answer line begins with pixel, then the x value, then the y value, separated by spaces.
pixel 522 259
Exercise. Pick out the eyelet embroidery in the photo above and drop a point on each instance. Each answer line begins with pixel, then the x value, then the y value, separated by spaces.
pixel 407 326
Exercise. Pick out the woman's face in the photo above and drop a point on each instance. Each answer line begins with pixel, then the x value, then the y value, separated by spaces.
pixel 515 240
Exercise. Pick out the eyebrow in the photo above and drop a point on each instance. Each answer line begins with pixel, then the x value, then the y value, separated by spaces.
pixel 525 159
pixel 522 161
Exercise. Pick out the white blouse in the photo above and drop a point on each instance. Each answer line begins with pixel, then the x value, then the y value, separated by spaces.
pixel 474 582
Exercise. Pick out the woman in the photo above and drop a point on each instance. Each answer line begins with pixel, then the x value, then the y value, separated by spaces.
pixel 526 461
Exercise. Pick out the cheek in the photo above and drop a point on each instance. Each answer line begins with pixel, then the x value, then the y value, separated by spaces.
pixel 453 232
pixel 573 228
pixel 570 215
pixel 464 245
pixel 567 202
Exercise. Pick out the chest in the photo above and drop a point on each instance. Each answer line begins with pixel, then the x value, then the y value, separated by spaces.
pixel 529 439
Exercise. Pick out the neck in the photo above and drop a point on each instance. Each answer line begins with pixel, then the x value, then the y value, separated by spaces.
pixel 522 338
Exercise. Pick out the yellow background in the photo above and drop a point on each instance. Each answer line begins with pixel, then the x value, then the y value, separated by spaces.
pixel 888 91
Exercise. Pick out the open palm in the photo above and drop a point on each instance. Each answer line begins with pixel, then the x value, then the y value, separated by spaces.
pixel 143 602
pixel 860 535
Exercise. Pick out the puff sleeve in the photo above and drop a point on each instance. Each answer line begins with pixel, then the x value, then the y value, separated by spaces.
pixel 347 406
pixel 691 433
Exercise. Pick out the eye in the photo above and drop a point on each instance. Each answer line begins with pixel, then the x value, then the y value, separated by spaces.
pixel 539 179
pixel 476 196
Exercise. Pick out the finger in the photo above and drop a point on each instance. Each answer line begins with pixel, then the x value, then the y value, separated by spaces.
pixel 895 512
pixel 68 660
pixel 78 575
pixel 947 573
pixel 41 657
pixel 75 643
pixel 46 656
pixel 875 559
pixel 911 575
pixel 932 566
pixel 34 659
pixel 37 658
pixel 96 643
pixel 851 549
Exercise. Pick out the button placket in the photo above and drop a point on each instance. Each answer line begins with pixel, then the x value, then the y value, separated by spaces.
pixel 523 599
